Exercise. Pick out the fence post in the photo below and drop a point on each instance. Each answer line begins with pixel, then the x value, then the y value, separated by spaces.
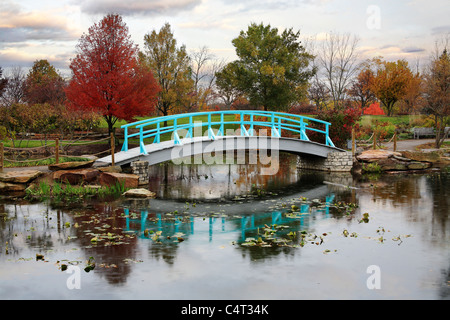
pixel 395 141
pixel 374 140
pixel 353 141
pixel 57 151
pixel 2 153
pixel 112 150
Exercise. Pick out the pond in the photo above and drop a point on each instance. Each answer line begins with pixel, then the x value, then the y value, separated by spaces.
pixel 227 232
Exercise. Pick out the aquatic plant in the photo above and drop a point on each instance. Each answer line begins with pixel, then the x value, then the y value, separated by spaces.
pixel 372 167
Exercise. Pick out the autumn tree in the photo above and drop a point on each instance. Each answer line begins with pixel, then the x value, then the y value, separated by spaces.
pixel 44 84
pixel 411 101
pixel 390 83
pixel 171 67
pixel 361 89
pixel 226 84
pixel 273 68
pixel 436 94
pixel 107 77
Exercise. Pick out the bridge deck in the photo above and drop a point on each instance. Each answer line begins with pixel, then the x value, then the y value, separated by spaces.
pixel 167 150
pixel 134 154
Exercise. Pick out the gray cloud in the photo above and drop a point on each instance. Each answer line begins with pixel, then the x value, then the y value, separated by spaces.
pixel 249 5
pixel 440 30
pixel 137 7
pixel 17 25
pixel 15 35
pixel 412 49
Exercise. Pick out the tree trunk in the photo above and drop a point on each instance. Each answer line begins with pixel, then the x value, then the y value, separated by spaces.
pixel 440 131
pixel 111 129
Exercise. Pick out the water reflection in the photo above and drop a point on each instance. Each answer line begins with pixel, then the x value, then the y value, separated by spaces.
pixel 149 224
pixel 221 181
pixel 165 232
pixel 175 241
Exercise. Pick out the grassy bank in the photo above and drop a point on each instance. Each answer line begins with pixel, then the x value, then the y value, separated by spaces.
pixel 65 191
pixel 37 162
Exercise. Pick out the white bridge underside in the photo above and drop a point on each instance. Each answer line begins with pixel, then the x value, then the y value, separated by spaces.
pixel 165 151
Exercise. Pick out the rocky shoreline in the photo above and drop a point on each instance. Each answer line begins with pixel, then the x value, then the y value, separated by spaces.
pixel 14 183
pixel 390 161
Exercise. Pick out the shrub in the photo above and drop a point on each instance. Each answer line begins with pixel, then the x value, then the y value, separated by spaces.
pixel 342 122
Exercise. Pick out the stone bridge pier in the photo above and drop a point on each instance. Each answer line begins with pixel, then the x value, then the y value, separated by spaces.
pixel 334 162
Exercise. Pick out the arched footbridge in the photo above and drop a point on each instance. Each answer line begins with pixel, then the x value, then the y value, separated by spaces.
pixel 220 133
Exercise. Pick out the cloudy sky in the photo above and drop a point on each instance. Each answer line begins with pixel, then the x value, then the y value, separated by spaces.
pixel 50 29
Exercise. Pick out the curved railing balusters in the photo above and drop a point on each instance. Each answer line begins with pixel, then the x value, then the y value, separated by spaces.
pixel 276 121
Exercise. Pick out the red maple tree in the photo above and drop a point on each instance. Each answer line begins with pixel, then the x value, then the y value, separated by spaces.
pixel 107 77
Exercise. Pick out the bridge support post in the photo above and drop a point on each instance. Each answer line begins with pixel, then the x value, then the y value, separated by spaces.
pixel 334 162
pixel 140 168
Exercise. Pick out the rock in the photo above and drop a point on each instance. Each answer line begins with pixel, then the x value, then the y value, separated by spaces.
pixel 418 165
pixel 76 176
pixel 11 187
pixel 117 169
pixel 401 158
pixel 71 165
pixel 391 164
pixel 139 193
pixel 113 178
pixel 422 156
pixel 374 155
pixel 22 176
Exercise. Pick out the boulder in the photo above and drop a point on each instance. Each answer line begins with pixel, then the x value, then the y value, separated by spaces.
pixel 76 176
pixel 375 155
pixel 113 178
pixel 6 187
pixel 391 164
pixel 71 165
pixel 21 176
pixel 117 169
pixel 418 165
pixel 139 193
pixel 422 156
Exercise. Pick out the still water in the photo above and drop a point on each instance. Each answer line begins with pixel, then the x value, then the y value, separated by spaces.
pixel 227 232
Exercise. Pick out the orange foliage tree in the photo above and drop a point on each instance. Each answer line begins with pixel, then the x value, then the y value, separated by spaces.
pixel 436 94
pixel 390 83
pixel 361 89
pixel 107 77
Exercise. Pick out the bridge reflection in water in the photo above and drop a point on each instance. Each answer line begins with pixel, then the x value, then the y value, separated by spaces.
pixel 174 224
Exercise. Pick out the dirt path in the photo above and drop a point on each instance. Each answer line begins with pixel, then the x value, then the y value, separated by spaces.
pixel 409 144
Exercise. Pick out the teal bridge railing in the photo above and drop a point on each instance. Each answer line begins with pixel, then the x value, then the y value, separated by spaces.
pixel 248 222
pixel 245 119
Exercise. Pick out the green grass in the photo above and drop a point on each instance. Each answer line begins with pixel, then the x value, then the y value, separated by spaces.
pixel 395 120
pixel 46 162
pixel 66 191
pixel 203 118
pixel 386 126
pixel 33 143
